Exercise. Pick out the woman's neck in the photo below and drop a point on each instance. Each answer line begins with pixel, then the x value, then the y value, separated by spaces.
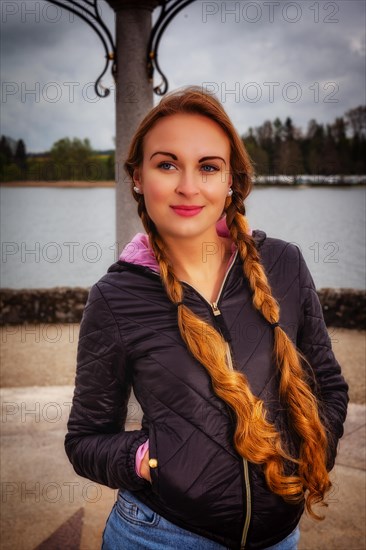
pixel 200 262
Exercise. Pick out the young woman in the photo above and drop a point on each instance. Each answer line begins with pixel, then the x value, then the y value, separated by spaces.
pixel 220 333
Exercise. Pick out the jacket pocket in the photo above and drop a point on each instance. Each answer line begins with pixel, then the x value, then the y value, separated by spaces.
pixel 178 473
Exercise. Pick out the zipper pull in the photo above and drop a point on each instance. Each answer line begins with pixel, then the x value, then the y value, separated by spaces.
pixel 220 322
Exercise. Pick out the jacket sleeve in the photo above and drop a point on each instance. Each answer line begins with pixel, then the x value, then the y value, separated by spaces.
pixel 96 443
pixel 314 342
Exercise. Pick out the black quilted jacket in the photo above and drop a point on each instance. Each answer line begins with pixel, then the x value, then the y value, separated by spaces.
pixel 129 337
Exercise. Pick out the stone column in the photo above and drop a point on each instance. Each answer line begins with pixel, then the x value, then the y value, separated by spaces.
pixel 134 97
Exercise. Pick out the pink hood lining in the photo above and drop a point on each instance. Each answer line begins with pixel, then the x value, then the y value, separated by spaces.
pixel 138 251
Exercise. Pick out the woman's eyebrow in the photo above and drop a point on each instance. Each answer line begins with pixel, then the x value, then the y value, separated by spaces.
pixel 174 157
pixel 203 159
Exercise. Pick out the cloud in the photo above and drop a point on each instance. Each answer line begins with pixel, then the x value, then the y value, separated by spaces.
pixel 264 59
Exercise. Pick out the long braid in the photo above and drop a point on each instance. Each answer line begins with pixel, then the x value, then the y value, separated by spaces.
pixel 294 389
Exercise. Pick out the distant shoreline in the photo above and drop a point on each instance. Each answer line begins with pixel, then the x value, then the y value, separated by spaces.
pixel 76 184
pixel 111 183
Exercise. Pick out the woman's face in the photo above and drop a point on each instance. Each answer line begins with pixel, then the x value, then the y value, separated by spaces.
pixel 185 175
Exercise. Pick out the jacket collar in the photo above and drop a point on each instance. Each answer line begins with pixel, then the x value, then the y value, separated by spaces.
pixel 139 254
pixel 139 251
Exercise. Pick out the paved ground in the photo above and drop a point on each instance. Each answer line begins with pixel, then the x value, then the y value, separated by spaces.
pixel 46 506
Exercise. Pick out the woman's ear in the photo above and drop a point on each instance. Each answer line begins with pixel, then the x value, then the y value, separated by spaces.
pixel 137 181
pixel 230 180
pixel 136 176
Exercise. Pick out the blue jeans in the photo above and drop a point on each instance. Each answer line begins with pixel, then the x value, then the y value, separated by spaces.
pixel 134 526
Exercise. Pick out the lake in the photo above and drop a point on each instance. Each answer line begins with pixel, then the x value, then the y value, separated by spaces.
pixel 66 237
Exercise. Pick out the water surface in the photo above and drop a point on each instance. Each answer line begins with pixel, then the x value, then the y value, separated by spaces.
pixel 66 237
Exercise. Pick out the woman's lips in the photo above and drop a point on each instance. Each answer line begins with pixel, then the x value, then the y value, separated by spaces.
pixel 187 211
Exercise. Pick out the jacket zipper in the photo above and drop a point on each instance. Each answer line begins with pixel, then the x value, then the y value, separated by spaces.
pixel 248 504
pixel 216 311
pixel 229 361
pixel 214 305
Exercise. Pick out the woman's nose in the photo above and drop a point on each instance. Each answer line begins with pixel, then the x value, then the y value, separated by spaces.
pixel 187 184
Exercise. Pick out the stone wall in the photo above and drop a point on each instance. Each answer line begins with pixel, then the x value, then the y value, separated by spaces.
pixel 341 307
pixel 50 305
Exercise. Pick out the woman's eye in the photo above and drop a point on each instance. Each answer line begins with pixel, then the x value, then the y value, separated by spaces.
pixel 165 165
pixel 209 168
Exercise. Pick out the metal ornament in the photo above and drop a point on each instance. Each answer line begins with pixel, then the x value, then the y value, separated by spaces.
pixel 88 11
pixel 169 9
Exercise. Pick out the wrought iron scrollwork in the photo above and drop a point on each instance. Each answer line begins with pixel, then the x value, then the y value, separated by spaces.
pixel 89 12
pixel 169 10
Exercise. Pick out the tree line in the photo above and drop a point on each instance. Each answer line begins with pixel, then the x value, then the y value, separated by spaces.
pixel 276 147
pixel 339 148
pixel 68 160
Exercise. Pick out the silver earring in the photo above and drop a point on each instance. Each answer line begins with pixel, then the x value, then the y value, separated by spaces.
pixel 230 192
pixel 137 190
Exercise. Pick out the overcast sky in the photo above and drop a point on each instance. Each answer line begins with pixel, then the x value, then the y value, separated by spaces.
pixel 265 59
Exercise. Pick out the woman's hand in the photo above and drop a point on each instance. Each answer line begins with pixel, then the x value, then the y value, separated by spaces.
pixel 145 468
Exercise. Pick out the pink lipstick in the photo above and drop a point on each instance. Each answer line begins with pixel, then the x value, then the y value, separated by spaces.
pixel 187 211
